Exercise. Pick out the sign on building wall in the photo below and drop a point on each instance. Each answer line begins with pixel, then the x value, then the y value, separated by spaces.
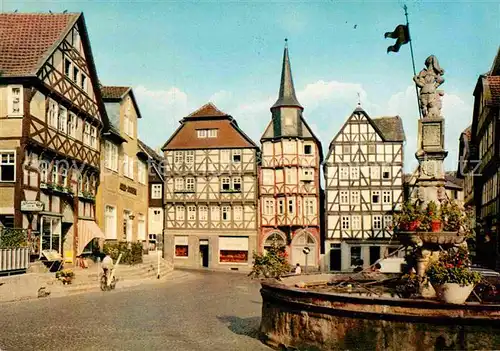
pixel 32 206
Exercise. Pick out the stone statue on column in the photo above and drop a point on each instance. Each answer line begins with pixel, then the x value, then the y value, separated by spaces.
pixel 428 80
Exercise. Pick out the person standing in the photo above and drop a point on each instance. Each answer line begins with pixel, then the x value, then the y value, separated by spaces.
pixel 298 269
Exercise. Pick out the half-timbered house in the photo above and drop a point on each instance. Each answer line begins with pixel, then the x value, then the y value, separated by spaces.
pixel 466 166
pixel 210 192
pixel 51 116
pixel 485 162
pixel 289 178
pixel 364 186
pixel 122 199
pixel 155 201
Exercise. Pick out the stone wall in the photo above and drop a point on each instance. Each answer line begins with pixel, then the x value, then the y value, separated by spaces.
pixel 324 321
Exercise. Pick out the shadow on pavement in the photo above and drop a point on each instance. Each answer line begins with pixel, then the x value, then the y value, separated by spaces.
pixel 242 326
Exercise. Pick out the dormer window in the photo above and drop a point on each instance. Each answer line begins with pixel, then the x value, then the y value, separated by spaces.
pixel 206 133
pixel 212 133
pixel 201 133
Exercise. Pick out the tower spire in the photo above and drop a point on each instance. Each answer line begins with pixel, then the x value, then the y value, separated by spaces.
pixel 287 91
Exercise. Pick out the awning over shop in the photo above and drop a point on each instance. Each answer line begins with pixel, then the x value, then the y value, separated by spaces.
pixel 87 230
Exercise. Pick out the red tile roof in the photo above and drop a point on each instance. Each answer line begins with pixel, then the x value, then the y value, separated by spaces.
pixel 229 135
pixel 26 40
pixel 208 110
pixel 494 84
pixel 113 92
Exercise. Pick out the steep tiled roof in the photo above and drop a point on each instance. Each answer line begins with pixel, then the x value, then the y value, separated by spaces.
pixel 390 127
pixel 229 135
pixel 149 151
pixel 113 92
pixel 26 40
pixel 208 110
pixel 494 85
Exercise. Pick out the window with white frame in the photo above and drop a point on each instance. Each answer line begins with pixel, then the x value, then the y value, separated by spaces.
pixel 55 174
pixel 225 184
pixel 141 227
pixel 7 166
pixel 354 172
pixel 212 133
pixel 377 222
pixel 63 171
pixel 281 206
pixel 203 213
pixel 355 197
pixel 190 184
pixel 344 173
pixel 178 158
pixel 355 222
pixel 110 222
pixel 375 172
pixel 15 102
pixel 76 73
pixel 111 156
pixel 179 213
pixel 375 196
pixel 201 133
pixel 156 215
pixel 238 213
pixel 236 156
pixel 179 184
pixel 72 124
pixel 344 197
pixel 310 207
pixel 290 175
pixel 215 213
pixel 386 196
pixel 269 206
pixel 237 184
pixel 224 156
pixel 63 119
pixel 44 170
pixel 93 137
pixel 189 157
pixel 83 82
pixel 156 190
pixel 53 112
pixel 67 68
pixel 291 206
pixel 141 170
pixel 388 222
pixel 345 222
pixel 86 133
pixel 226 213
pixel 191 213
pixel 50 238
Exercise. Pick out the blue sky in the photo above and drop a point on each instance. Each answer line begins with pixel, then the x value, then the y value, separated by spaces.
pixel 179 55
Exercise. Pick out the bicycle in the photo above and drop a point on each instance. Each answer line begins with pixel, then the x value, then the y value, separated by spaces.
pixel 104 282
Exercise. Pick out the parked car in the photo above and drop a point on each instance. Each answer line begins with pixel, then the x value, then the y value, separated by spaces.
pixel 485 272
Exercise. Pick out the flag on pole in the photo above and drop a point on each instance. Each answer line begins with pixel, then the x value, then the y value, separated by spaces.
pixel 402 36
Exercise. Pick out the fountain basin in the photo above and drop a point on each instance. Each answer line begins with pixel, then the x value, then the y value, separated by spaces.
pixel 437 238
pixel 314 320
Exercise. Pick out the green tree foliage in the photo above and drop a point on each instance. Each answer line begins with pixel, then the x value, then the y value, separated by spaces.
pixel 272 264
pixel 130 255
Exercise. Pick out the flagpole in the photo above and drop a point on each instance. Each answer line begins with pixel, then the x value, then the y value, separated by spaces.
pixel 412 59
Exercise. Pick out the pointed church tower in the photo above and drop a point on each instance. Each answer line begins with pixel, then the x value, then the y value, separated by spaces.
pixel 290 192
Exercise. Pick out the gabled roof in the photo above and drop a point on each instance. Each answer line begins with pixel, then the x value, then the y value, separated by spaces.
pixel 117 94
pixel 391 128
pixel 207 110
pixel 493 83
pixel 149 151
pixel 28 39
pixel 229 135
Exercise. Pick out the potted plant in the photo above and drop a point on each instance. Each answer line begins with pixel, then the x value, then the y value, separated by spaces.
pixel 451 276
pixel 432 213
pixel 410 218
pixel 66 276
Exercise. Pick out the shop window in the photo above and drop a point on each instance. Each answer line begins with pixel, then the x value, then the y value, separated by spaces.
pixel 181 246
pixel 355 255
pixel 233 249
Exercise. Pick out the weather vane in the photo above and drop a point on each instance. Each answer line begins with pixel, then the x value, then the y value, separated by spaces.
pixel 359 99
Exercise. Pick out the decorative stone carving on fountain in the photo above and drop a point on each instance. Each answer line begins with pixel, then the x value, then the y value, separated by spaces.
pixel 428 80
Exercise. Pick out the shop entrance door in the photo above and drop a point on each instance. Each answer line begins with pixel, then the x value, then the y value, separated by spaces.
pixel 204 253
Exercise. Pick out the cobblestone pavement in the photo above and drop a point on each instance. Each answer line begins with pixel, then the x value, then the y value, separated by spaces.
pixel 200 311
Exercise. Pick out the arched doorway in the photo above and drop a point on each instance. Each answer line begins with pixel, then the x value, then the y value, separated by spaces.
pixel 305 239
pixel 274 238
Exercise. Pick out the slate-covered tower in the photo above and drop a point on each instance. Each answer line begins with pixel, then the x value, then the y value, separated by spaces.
pixel 289 184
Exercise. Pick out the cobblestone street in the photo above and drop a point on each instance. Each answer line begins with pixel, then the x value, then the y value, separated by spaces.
pixel 202 311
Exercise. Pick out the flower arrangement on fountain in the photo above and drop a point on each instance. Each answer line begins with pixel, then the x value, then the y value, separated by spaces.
pixel 449 216
pixel 451 276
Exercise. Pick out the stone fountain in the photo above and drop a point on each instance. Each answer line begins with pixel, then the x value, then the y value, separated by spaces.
pixel 431 175
pixel 305 312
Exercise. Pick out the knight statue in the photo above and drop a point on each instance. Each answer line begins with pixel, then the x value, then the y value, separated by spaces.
pixel 428 80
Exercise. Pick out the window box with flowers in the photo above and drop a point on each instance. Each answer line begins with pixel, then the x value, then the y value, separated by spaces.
pixel 87 195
